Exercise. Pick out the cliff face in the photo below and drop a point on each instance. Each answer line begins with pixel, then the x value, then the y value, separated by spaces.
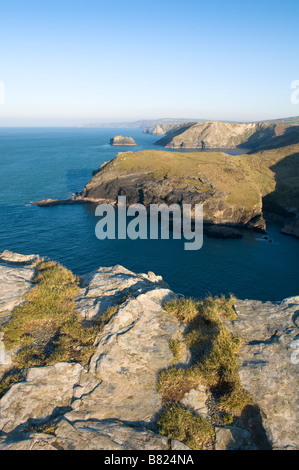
pixel 231 135
pixel 291 229
pixel 160 129
pixel 112 402
pixel 231 188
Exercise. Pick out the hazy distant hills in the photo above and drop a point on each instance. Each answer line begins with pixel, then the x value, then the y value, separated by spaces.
pixel 152 123
pixel 147 123
pixel 290 120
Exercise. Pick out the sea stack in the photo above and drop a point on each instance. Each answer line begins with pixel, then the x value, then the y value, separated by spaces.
pixel 120 140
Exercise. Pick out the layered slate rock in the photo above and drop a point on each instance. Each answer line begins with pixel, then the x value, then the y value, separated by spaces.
pixel 269 365
pixel 110 434
pixel 232 438
pixel 92 435
pixel 46 392
pixel 111 286
pixel 131 350
pixel 16 275
pixel 196 400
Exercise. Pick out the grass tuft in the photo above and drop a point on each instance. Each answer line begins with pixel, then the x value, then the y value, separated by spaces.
pixel 175 347
pixel 179 423
pixel 174 383
pixel 46 428
pixel 9 378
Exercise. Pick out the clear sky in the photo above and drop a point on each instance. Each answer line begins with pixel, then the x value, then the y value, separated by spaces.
pixel 77 61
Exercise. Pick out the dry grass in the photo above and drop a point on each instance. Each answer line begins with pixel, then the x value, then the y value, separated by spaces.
pixel 47 428
pixel 9 378
pixel 175 347
pixel 176 422
pixel 47 328
pixel 174 383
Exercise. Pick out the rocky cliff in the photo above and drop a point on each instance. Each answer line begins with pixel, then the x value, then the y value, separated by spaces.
pixel 160 129
pixel 291 229
pixel 225 135
pixel 114 400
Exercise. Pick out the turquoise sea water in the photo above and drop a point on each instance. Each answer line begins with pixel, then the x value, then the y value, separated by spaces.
pixel 41 163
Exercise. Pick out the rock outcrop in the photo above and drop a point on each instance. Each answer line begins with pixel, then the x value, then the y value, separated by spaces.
pixel 16 274
pixel 113 403
pixel 215 231
pixel 40 396
pixel 224 135
pixel 16 279
pixel 122 141
pixel 291 229
pixel 269 364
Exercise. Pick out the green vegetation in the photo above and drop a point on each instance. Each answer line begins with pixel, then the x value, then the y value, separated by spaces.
pixel 177 422
pixel 47 329
pixel 227 419
pixel 214 353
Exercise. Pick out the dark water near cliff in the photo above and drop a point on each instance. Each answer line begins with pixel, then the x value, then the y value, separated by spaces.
pixel 40 163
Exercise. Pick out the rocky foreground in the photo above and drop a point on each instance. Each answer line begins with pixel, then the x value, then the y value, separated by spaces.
pixel 113 403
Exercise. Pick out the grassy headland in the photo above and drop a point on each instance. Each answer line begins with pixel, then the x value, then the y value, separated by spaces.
pixel 240 181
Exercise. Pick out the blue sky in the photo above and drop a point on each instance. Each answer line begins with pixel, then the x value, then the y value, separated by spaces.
pixel 69 62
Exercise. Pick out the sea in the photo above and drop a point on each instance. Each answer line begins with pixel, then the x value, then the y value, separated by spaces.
pixel 39 163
